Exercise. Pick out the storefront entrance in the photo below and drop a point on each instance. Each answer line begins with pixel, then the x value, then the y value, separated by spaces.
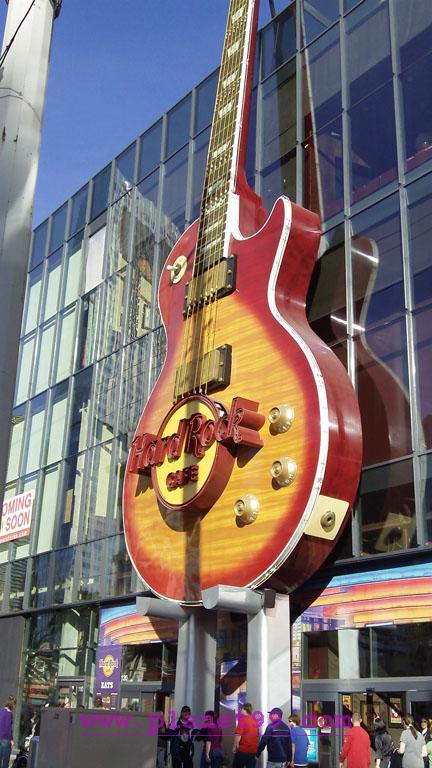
pixel 328 704
pixel 140 699
pixel 70 691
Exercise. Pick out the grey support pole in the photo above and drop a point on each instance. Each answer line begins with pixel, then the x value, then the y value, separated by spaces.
pixel 23 77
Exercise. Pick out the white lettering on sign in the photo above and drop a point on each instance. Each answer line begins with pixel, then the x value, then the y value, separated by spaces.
pixel 16 516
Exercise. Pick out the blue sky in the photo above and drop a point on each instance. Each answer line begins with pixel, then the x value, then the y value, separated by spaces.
pixel 116 66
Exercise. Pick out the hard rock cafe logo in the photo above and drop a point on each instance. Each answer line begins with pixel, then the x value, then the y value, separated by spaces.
pixel 108 664
pixel 191 456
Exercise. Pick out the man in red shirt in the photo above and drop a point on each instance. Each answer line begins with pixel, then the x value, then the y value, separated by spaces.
pixel 356 746
pixel 246 739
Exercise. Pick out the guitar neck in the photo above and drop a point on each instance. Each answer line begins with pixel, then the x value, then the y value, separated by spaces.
pixel 228 140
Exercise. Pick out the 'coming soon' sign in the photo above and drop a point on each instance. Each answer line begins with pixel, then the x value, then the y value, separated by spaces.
pixel 16 516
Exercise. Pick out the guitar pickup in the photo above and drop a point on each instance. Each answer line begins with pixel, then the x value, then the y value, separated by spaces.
pixel 212 282
pixel 207 374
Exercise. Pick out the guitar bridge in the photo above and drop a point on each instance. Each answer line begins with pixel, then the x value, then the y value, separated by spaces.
pixel 210 372
pixel 209 284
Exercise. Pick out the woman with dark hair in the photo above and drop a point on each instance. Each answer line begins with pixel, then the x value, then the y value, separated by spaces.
pixel 6 731
pixel 383 744
pixel 412 745
pixel 212 752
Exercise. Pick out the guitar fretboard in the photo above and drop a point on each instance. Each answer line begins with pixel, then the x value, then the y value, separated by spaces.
pixel 222 161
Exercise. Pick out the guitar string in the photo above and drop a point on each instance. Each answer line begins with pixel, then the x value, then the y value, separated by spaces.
pixel 218 219
pixel 216 174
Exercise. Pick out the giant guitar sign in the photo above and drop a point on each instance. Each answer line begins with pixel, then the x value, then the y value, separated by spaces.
pixel 247 456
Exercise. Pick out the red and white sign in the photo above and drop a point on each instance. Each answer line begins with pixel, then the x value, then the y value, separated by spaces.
pixel 16 516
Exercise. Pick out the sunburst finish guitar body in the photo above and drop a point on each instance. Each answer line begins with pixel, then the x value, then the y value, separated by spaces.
pixel 246 458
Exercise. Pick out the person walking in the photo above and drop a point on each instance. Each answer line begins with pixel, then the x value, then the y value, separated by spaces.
pixel 245 739
pixel 213 751
pixel 181 740
pixel 356 745
pixel 299 742
pixel 383 744
pixel 6 731
pixel 162 741
pixel 277 739
pixel 412 745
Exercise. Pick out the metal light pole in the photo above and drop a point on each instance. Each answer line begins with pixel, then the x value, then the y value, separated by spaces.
pixel 23 77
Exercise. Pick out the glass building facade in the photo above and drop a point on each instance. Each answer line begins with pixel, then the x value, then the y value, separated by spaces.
pixel 341 123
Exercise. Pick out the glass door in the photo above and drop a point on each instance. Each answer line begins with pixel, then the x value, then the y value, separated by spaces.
pixel 319 719
pixel 419 705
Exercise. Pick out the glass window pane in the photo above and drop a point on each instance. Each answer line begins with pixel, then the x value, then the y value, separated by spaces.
pixel 382 389
pixel 417 109
pixel 39 244
pixel 174 188
pixel 423 350
pixel 35 426
pixel 138 319
pixel 124 171
pixel 119 567
pixel 376 257
pixel 58 227
pixel 279 115
pixel 70 500
pixel 82 387
pixel 420 239
pixel 368 50
pixel 17 584
pixel 373 163
pixel 119 230
pixel 322 655
pixel 43 367
pixel 205 96
pixel 96 521
pixel 106 396
pixel 320 14
pixel 178 126
pixel 112 311
pixel 87 333
pixel 426 492
pixel 25 368
pixel 48 508
pixel 33 294
pixel 2 583
pixel 95 260
pixel 91 571
pixel 64 561
pixel 326 302
pixel 134 384
pixel 279 178
pixel 39 581
pixel 101 184
pixel 52 283
pixel 57 422
pixel 73 264
pixel 79 207
pixel 150 151
pixel 65 344
pixel 414 29
pixel 387 509
pixel 322 100
pixel 16 441
pixel 323 170
pixel 278 42
pixel 199 164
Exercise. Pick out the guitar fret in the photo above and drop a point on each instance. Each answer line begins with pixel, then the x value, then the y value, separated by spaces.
pixel 227 108
pixel 233 48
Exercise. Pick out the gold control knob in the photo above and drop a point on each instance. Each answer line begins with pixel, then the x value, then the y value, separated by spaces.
pixel 281 417
pixel 247 508
pixel 177 269
pixel 284 470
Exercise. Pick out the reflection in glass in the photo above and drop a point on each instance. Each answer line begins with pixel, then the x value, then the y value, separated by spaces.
pixel 426 493
pixel 70 500
pixel 134 385
pixel 119 567
pixel 158 353
pixel 142 663
pixel 48 507
pixel 143 252
pixel 323 171
pixel 65 344
pixel 279 178
pixel 279 115
pixel 78 429
pixel 25 368
pixel 320 14
pixel 64 560
pixel 118 233
pixel 278 42
pixel 73 265
pixel 58 226
pixel 52 284
pixel 373 163
pixel 199 163
pixel 105 398
pixel 110 334
pixel 95 260
pixel 322 100
pixel 33 294
pixel 326 301
pixel 420 238
pixel 38 245
pixel 368 49
pixel 2 583
pixel 178 126
pixel 91 571
pixel 101 184
pixel 87 332
pixel 79 207
pixel 205 96
pixel 57 423
pixel 322 659
pixel 39 581
pixel 414 29
pixel 16 441
pixel 17 584
pixel 35 424
pixel 417 111
pixel 174 188
pixel 386 503
pixel 96 522
pixel 423 350
pixel 46 348
pixel 150 151
pixel 124 171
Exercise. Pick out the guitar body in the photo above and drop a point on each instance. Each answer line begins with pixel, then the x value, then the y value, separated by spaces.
pixel 183 548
